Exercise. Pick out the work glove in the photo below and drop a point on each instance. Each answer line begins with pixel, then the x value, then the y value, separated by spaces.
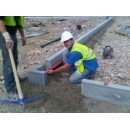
pixel 9 42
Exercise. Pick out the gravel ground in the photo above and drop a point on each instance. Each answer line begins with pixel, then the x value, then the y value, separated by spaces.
pixel 60 96
pixel 117 69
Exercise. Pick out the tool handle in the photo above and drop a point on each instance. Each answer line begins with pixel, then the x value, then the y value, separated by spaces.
pixel 15 74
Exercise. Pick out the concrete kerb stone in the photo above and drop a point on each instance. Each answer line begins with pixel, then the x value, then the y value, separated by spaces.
pixel 38 76
pixel 112 93
pixel 54 58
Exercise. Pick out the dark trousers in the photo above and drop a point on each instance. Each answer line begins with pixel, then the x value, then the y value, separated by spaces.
pixel 7 67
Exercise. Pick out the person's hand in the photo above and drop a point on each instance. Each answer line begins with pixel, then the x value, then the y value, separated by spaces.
pixel 23 41
pixel 9 43
pixel 50 71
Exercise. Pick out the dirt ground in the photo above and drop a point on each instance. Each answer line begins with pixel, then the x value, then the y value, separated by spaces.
pixel 59 95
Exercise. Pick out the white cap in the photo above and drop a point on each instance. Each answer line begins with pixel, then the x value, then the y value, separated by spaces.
pixel 66 36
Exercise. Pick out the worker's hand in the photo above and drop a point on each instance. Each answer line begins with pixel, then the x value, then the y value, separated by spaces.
pixel 9 43
pixel 23 41
pixel 50 71
pixel 8 40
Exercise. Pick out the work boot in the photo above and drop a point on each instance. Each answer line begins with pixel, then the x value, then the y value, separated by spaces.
pixel 66 75
pixel 21 79
pixel 13 95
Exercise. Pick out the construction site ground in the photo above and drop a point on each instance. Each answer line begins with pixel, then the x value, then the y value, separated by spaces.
pixel 60 95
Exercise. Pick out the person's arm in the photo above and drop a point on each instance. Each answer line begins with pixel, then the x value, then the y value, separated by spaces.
pixel 9 42
pixel 61 69
pixel 2 27
pixel 22 36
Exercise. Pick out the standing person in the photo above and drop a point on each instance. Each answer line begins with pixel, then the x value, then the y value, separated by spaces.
pixel 80 61
pixel 8 28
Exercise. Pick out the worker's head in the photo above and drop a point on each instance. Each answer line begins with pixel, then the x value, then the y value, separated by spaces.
pixel 67 39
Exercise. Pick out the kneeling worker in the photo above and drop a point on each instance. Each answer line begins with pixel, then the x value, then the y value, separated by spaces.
pixel 80 61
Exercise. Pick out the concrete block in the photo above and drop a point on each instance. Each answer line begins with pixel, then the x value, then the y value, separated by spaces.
pixel 38 76
pixel 54 58
pixel 112 93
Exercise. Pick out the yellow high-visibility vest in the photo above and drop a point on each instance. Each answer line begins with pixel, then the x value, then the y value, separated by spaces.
pixel 10 21
pixel 86 52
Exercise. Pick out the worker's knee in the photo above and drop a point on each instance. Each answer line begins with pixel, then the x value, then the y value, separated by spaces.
pixel 73 80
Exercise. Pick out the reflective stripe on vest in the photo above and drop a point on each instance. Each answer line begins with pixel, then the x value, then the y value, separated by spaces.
pixel 10 21
pixel 86 52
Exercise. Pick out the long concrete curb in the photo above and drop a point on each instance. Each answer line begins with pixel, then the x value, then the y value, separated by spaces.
pixel 93 32
pixel 112 93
